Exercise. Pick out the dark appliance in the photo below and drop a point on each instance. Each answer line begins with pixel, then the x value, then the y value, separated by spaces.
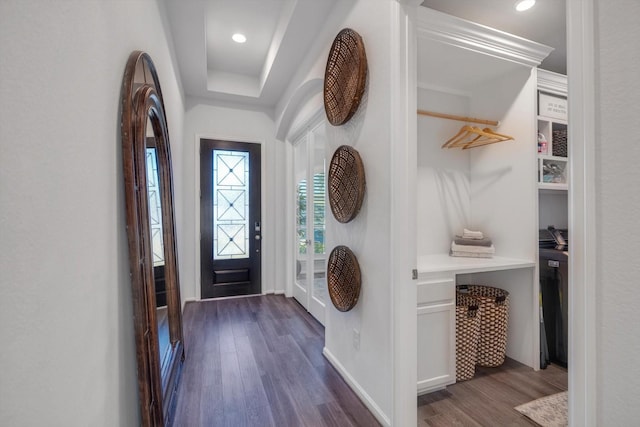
pixel 554 288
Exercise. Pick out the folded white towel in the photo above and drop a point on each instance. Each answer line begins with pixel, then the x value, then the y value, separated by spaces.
pixel 473 249
pixel 470 234
pixel 469 254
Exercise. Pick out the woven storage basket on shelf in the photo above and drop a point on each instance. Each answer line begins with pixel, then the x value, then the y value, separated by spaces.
pixel 343 278
pixel 468 317
pixel 559 146
pixel 492 344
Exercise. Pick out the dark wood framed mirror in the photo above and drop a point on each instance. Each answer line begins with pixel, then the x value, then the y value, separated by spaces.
pixel 151 235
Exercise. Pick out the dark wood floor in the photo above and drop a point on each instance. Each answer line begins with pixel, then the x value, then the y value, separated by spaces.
pixel 489 398
pixel 258 361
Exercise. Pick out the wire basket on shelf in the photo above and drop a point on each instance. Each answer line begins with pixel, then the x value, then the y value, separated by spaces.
pixel 559 147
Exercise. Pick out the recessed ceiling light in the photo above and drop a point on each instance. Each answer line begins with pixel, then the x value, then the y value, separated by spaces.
pixel 523 5
pixel 239 38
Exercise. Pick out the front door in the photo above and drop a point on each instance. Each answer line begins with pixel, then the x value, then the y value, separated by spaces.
pixel 230 225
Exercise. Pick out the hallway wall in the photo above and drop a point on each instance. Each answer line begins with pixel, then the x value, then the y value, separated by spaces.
pixel 206 120
pixel 68 356
pixel 368 368
pixel 617 205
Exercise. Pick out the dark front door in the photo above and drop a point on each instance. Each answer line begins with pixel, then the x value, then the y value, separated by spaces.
pixel 230 224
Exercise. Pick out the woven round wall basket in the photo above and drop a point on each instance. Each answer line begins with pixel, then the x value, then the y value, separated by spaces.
pixel 346 183
pixel 343 277
pixel 344 77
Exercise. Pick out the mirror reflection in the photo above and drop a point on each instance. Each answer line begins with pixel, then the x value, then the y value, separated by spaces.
pixel 155 284
pixel 157 243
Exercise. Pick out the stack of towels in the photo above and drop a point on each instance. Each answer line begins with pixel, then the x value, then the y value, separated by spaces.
pixel 472 244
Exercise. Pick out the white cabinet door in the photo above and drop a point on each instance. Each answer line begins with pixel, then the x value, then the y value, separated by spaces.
pixel 436 346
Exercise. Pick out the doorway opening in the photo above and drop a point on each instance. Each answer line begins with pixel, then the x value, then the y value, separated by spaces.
pixel 310 284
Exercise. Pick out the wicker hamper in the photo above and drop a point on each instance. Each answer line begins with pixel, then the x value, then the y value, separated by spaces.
pixel 468 315
pixel 494 303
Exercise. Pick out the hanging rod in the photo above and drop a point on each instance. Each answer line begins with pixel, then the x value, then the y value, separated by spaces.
pixel 459 118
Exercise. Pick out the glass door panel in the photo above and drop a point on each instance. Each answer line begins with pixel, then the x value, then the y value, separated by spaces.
pixel 310 287
pixel 319 290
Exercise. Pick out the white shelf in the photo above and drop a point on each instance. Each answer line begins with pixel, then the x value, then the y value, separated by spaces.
pixel 552 119
pixel 443 262
pixel 550 186
pixel 550 157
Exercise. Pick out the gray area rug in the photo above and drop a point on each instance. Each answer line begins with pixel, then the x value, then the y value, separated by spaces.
pixel 549 411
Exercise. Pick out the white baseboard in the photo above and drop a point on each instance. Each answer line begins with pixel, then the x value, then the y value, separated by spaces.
pixel 186 301
pixel 357 389
pixel 273 293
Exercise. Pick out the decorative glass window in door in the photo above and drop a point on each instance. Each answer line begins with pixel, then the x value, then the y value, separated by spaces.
pixel 230 204
pixel 155 207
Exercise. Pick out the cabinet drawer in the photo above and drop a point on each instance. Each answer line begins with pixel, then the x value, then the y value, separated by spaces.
pixel 435 290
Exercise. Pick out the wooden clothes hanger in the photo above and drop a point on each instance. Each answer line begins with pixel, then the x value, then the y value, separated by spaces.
pixel 485 137
pixel 470 136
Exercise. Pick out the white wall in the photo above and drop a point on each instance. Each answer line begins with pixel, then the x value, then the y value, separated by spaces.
pixel 66 321
pixel 203 120
pixel 368 235
pixel 617 204
pixel 553 209
pixel 443 189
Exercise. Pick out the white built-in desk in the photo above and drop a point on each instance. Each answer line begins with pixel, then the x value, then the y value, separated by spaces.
pixel 444 263
pixel 436 310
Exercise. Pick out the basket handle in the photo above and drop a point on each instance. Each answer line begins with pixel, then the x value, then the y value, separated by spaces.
pixel 500 299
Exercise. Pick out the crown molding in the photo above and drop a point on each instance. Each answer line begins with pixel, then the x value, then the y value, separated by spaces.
pixel 552 82
pixel 444 28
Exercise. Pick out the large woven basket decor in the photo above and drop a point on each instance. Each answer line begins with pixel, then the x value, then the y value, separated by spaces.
pixel 346 183
pixel 343 277
pixel 344 77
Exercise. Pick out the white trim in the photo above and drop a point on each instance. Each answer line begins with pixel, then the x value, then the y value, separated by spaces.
pixel 308 123
pixel 290 249
pixel 443 89
pixel 551 82
pixel 403 126
pixel 290 135
pixel 357 389
pixel 196 222
pixel 304 131
pixel 583 408
pixel 302 94
pixel 454 31
pixel 184 303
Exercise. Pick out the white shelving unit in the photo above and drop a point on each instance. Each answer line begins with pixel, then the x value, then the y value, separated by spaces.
pixel 553 169
pixel 470 70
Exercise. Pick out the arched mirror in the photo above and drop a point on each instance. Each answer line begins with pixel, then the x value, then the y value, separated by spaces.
pixel 151 235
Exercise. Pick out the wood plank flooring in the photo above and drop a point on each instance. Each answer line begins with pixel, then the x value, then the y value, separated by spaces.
pixel 258 361
pixel 489 398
